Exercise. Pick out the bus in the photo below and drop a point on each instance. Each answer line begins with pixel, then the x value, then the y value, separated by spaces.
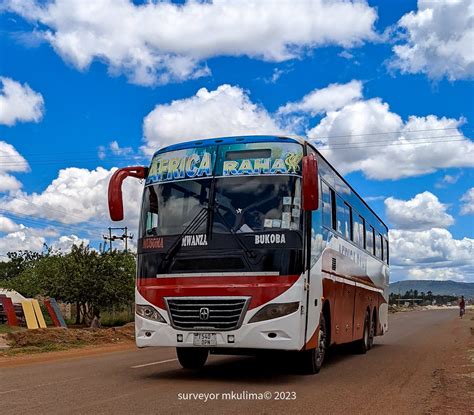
pixel 254 243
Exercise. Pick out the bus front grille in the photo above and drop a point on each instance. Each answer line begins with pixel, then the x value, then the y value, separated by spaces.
pixel 207 313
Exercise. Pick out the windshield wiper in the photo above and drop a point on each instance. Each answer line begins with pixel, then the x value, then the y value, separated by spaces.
pixel 250 255
pixel 192 227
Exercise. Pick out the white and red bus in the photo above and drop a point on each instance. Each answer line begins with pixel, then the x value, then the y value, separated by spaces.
pixel 254 243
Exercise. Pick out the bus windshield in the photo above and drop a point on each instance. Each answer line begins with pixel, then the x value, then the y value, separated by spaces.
pixel 169 208
pixel 259 203
pixel 241 205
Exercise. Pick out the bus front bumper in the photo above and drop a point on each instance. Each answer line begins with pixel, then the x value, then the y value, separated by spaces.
pixel 282 333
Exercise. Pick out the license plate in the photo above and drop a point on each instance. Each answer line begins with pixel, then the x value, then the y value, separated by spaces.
pixel 205 339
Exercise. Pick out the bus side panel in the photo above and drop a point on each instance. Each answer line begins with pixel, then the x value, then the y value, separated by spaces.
pixel 340 313
pixel 329 294
pixel 349 293
pixel 360 308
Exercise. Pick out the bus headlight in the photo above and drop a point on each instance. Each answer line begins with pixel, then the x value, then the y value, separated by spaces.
pixel 275 310
pixel 149 312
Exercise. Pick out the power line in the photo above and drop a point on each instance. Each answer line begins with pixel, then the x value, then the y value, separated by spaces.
pixel 136 156
pixel 111 238
pixel 408 140
pixel 34 221
pixel 64 212
pixel 395 132
pixel 380 145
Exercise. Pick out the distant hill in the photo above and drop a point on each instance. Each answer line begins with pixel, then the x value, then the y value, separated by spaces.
pixel 436 287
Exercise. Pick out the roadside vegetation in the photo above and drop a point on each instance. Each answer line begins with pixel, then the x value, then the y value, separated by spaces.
pixel 91 281
pixel 422 298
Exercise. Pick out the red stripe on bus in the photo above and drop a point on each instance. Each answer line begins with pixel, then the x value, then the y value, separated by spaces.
pixel 261 289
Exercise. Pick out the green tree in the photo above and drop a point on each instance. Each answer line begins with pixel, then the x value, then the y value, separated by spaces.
pixel 84 277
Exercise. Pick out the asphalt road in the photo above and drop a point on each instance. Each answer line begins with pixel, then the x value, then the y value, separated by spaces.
pixel 405 372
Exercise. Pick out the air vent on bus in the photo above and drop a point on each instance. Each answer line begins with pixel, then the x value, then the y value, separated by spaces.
pixel 333 265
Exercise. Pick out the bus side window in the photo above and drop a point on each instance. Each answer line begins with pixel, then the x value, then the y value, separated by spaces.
pixel 349 234
pixel 151 223
pixel 386 255
pixel 343 217
pixel 327 205
pixel 378 246
pixel 370 239
pixel 358 229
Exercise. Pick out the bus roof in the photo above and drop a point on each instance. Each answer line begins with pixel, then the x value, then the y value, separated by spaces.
pixel 261 139
pixel 231 140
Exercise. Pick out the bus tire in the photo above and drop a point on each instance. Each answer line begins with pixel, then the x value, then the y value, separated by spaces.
pixel 362 346
pixel 372 329
pixel 312 360
pixel 192 358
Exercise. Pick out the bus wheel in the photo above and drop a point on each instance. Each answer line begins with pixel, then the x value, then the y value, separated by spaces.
pixel 192 358
pixel 313 359
pixel 371 332
pixel 361 346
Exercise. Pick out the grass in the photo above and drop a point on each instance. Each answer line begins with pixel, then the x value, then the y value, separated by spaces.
pixel 4 329
pixel 46 347
pixel 116 318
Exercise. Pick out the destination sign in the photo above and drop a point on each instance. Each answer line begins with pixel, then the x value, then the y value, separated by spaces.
pixel 228 160
pixel 184 164
pixel 288 165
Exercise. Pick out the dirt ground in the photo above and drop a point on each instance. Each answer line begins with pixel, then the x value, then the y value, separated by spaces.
pixel 25 341
pixel 453 381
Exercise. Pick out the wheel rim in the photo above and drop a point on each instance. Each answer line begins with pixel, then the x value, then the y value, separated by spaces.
pixel 321 350
pixel 366 331
pixel 372 332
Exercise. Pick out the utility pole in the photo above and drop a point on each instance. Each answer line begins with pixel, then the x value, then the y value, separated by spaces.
pixel 124 237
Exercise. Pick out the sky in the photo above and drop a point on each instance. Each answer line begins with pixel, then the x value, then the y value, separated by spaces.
pixel 384 89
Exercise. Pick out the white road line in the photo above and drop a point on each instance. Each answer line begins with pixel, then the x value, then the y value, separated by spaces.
pixel 154 363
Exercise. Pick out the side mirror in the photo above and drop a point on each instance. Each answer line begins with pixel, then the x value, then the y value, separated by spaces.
pixel 115 189
pixel 310 183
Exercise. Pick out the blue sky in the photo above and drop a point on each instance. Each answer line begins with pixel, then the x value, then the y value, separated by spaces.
pixel 94 93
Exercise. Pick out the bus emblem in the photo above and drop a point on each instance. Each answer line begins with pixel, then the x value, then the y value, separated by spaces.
pixel 204 313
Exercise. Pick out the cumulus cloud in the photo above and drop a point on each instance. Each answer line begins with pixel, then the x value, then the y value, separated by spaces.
pixel 420 247
pixel 64 243
pixel 447 180
pixel 355 138
pixel 7 225
pixel 435 248
pixel 10 161
pixel 330 98
pixel 422 212
pixel 437 40
pixel 363 135
pixel 77 195
pixel 467 208
pixel 461 274
pixel 161 41
pixel 19 103
pixel 119 151
pixel 24 239
pixel 19 237
pixel 227 110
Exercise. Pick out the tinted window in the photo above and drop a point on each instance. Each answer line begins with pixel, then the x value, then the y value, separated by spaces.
pixel 378 246
pixel 250 204
pixel 370 239
pixel 343 218
pixel 358 229
pixel 168 208
pixel 327 205
pixel 386 254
